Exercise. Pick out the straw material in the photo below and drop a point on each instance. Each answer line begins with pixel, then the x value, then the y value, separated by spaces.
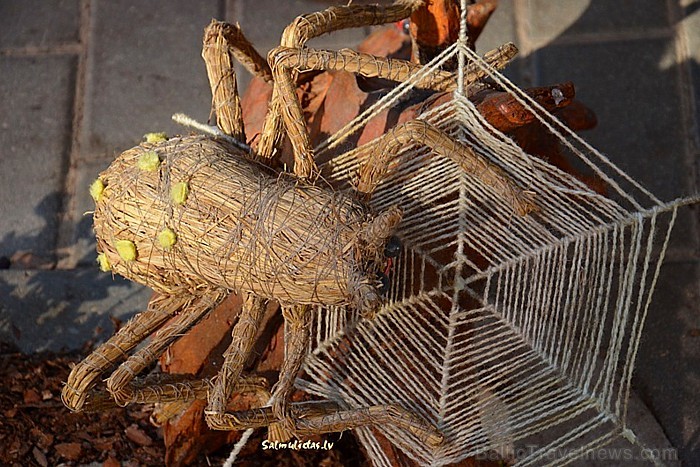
pixel 233 224
pixel 219 60
pixel 302 59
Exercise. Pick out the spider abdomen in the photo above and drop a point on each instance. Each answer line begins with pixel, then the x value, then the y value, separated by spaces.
pixel 201 215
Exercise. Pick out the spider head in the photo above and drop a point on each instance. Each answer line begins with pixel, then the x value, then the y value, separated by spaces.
pixel 392 249
pixel 377 248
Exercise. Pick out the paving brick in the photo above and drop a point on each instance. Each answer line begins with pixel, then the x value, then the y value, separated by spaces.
pixel 36 95
pixel 500 29
pixel 639 420
pixel 666 376
pixel 38 23
pixel 685 240
pixel 689 31
pixel 144 66
pixel 548 19
pixel 639 124
pixel 62 309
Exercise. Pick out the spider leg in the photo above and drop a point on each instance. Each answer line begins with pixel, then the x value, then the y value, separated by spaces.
pixel 176 404
pixel 222 44
pixel 86 373
pixel 174 391
pixel 298 321
pixel 312 418
pixel 224 383
pixel 419 131
pixel 296 343
pixel 118 384
pixel 241 49
pixel 371 66
pixel 284 104
pixel 293 117
pixel 336 420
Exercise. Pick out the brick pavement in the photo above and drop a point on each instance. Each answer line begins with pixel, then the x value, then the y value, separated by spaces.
pixel 81 80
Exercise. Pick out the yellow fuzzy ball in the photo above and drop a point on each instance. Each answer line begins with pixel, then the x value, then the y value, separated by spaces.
pixel 126 249
pixel 167 238
pixel 179 192
pixel 96 190
pixel 103 262
pixel 148 161
pixel 155 137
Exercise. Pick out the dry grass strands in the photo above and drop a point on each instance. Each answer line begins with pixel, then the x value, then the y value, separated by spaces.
pixel 238 227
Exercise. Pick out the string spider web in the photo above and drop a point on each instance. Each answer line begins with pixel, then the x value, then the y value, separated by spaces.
pixel 511 334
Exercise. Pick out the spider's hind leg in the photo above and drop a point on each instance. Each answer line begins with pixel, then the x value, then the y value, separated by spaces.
pixel 120 384
pixel 387 146
pixel 86 374
pixel 316 417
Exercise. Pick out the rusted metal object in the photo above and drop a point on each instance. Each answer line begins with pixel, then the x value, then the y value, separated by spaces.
pixel 435 26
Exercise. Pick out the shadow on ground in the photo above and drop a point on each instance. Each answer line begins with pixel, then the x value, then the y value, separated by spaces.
pixel 60 309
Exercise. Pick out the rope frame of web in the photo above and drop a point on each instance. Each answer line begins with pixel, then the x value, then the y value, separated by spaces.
pixel 531 348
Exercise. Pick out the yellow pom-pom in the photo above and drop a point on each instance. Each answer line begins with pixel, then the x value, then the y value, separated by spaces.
pixel 167 238
pixel 103 262
pixel 149 161
pixel 155 137
pixel 179 192
pixel 126 249
pixel 96 190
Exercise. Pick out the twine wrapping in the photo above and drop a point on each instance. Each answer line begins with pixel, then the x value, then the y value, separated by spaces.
pixel 240 227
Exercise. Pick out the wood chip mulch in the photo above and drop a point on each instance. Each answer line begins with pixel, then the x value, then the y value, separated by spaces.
pixel 36 428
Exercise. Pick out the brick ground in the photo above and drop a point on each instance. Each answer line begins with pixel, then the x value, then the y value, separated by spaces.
pixel 84 79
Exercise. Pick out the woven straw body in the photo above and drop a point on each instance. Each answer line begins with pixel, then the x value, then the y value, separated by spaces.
pixel 202 215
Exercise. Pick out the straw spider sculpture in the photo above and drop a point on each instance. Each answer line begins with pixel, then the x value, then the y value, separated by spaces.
pixel 197 217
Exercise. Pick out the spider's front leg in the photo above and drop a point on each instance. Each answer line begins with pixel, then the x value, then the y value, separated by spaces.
pixel 286 419
pixel 296 343
pixel 314 417
pixel 372 66
pixel 422 132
